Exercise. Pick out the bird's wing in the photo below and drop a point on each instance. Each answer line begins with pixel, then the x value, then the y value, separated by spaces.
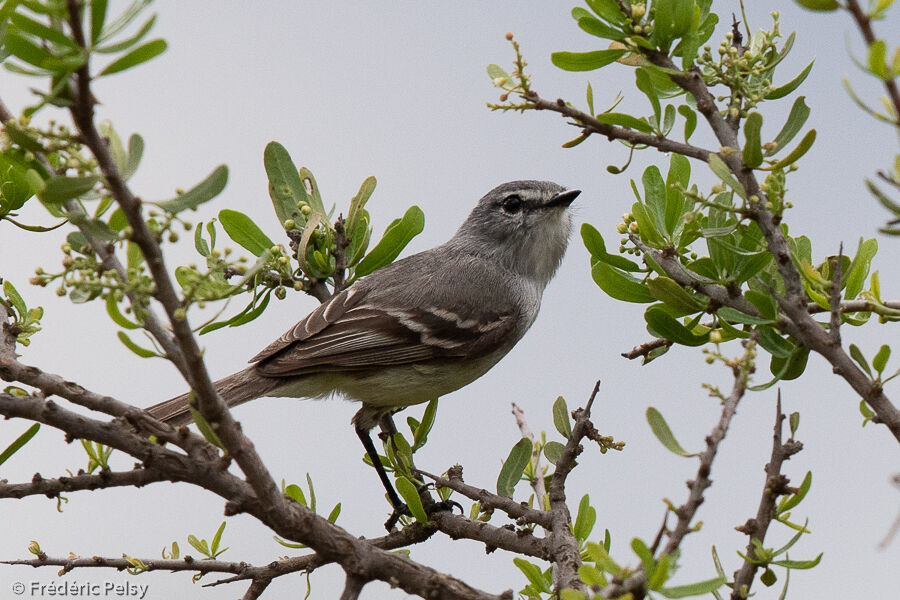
pixel 349 333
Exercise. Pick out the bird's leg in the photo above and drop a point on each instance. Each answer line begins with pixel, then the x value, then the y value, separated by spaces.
pixel 399 507
pixel 388 429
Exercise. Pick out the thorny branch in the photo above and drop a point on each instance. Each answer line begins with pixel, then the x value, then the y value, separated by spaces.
pixel 685 513
pixel 776 485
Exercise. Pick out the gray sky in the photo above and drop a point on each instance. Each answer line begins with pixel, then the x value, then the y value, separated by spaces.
pixel 398 90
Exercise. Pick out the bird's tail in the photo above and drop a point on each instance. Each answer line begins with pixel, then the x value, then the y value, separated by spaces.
pixel 235 389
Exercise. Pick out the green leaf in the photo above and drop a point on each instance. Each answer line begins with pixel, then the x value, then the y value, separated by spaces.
pixel 585 519
pixel 608 10
pixel 690 120
pixel 335 513
pixel 585 61
pixel 764 303
pixel 358 204
pixel 793 84
pixel 644 83
pixel 15 298
pixel 589 97
pixel 244 231
pixel 312 191
pixel 295 492
pixel 130 41
pixel 41 31
pixel 112 308
pixel 397 235
pixel 561 417
pixel 60 188
pixel 639 547
pixel 753 155
pixel 200 244
pixel 625 120
pixel 595 27
pixel 98 17
pixel 533 573
pixel 855 276
pixel 594 243
pixel 620 285
pixel 409 493
pixel 19 46
pixel 600 555
pixel 881 358
pixel 139 55
pixel 693 589
pixel 798 564
pixel 857 355
pixel 794 499
pixel 723 172
pixel 204 191
pixel 19 442
pixel 500 77
pixel 774 343
pixel 513 467
pixel 878 59
pixel 662 324
pixel 662 432
pixel 823 5
pixel 654 196
pixel 420 436
pixel 214 547
pixel 670 292
pixel 142 352
pixel 798 152
pixel 786 369
pixel 199 545
pixel 795 121
pixel 590 575
pixel 553 451
pixel 135 152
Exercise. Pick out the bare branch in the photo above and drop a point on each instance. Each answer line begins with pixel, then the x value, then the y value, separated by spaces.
pixel 685 513
pixel 52 488
pixel 775 486
pixel 489 501
pixel 537 483
pixel 563 545
pixel 590 124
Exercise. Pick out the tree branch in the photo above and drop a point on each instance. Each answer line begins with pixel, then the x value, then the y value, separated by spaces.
pixel 52 488
pixel 865 26
pixel 563 545
pixel 685 513
pixel 516 510
pixel 590 124
pixel 775 486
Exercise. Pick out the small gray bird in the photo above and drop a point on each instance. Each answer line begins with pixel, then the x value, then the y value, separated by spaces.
pixel 423 326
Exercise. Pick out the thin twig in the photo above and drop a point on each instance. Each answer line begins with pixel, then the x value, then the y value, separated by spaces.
pixel 537 483
pixel 865 26
pixel 776 484
pixel 685 513
pixel 488 500
pixel 563 545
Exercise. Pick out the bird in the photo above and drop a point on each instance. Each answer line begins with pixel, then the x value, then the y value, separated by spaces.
pixel 421 327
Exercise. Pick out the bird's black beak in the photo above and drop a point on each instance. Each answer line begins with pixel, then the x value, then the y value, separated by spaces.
pixel 564 198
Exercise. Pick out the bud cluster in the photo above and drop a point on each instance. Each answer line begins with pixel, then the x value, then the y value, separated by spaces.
pixel 746 71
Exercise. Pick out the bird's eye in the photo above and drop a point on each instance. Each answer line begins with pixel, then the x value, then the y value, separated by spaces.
pixel 512 204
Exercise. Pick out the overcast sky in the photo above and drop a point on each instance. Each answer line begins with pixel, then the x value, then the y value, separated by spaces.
pixel 398 90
